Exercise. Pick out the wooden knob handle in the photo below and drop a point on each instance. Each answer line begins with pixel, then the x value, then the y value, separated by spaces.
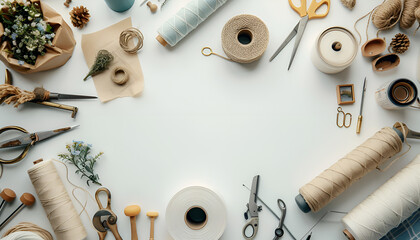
pixel 27 199
pixel 8 195
pixel 153 7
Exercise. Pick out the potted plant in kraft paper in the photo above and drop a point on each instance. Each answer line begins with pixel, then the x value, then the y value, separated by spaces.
pixel 34 37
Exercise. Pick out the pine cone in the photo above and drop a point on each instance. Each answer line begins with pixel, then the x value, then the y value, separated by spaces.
pixel 79 16
pixel 400 43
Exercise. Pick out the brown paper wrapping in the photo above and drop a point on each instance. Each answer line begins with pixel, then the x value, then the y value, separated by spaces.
pixel 56 55
pixel 108 39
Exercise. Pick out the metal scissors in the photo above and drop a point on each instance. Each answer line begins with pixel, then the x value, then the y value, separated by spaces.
pixel 279 232
pixel 301 25
pixel 251 227
pixel 105 219
pixel 27 140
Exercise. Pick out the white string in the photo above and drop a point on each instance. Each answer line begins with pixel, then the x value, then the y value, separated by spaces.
pixel 388 206
pixel 187 19
pixel 23 235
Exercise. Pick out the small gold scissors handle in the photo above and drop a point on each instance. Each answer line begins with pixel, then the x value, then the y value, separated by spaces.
pixel 311 12
pixel 345 115
pixel 25 151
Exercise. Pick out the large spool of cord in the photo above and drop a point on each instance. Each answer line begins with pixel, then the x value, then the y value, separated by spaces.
pixel 186 20
pixel 196 213
pixel 56 202
pixel 375 151
pixel 245 38
pixel 387 207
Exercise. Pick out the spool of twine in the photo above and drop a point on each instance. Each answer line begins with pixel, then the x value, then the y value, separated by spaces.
pixel 27 230
pixel 186 20
pixel 341 175
pixel 56 202
pixel 388 206
pixel 245 38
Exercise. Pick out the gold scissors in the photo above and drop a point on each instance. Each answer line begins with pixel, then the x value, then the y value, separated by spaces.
pixel 27 140
pixel 301 25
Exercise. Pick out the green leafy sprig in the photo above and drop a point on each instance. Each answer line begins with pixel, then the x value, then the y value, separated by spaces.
pixel 102 61
pixel 79 156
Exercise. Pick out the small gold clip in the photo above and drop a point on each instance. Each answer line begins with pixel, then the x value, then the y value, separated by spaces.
pixel 345 115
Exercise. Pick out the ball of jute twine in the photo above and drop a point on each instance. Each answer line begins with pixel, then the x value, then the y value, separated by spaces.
pixel 255 28
pixel 29 227
pixel 129 34
pixel 120 71
pixel 388 14
pixel 408 17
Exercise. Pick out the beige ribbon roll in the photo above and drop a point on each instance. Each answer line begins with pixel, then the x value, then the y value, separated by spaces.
pixel 245 38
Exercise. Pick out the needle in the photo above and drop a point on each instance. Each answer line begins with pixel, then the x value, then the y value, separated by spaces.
pixel 271 212
pixel 360 118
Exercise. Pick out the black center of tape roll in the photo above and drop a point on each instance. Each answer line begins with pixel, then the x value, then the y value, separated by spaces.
pixel 245 37
pixel 196 218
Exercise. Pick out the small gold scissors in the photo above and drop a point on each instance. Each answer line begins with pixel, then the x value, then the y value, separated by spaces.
pixel 299 29
pixel 27 140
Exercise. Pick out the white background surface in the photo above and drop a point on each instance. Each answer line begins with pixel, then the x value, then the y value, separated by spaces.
pixel 205 121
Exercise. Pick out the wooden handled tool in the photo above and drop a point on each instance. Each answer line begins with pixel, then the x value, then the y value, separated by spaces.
pixel 27 199
pixel 8 195
pixel 152 216
pixel 132 211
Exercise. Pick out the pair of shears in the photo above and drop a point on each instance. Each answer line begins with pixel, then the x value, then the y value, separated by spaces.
pixel 27 140
pixel 299 29
pixel 251 227
pixel 105 219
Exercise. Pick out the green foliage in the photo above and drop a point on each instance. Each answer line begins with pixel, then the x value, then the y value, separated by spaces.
pixel 102 61
pixel 25 30
pixel 79 156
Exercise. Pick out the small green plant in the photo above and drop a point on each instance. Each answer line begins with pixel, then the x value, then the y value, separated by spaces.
pixel 79 156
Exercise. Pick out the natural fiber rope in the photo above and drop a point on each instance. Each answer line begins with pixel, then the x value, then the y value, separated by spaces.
pixel 119 80
pixel 341 175
pixel 128 34
pixel 384 16
pixel 251 25
pixel 29 227
pixel 408 18
pixel 12 94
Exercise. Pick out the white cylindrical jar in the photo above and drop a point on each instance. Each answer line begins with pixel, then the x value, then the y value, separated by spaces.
pixel 334 50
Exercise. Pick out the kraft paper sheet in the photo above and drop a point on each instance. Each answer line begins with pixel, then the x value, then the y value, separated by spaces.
pixel 108 39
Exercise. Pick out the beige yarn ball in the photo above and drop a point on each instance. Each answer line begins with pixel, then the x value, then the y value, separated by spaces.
pixel 387 14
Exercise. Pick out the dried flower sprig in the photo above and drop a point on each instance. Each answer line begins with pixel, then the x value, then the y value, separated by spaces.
pixel 79 156
pixel 102 61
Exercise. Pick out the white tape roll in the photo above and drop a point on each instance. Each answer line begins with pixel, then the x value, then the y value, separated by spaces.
pixel 196 213
pixel 334 50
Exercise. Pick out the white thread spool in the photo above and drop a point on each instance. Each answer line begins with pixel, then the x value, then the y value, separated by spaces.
pixel 56 202
pixel 387 207
pixel 196 213
pixel 334 50
pixel 186 20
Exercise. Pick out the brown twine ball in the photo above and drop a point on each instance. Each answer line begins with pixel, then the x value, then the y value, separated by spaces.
pixel 121 71
pixel 128 34
pixel 387 14
pixel 408 17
